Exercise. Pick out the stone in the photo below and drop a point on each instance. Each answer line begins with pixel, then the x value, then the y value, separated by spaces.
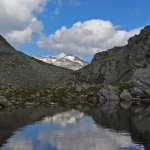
pixel 85 86
pixel 141 79
pixel 4 102
pixel 102 99
pixel 30 104
pixel 33 96
pixel 125 95
pixel 6 91
pixel 109 99
pixel 37 94
pixel 14 102
pixel 138 92
pixel 20 99
pixel 110 92
pixel 79 89
pixel 126 98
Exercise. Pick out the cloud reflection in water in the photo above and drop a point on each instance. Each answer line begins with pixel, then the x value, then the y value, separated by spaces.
pixel 71 130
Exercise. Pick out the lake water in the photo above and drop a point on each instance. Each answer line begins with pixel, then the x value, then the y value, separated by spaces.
pixel 67 129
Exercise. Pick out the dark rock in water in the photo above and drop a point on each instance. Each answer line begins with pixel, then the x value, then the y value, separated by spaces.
pixel 126 104
pixel 126 98
pixel 125 95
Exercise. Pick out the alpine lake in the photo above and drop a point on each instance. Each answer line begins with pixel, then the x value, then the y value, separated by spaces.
pixel 65 128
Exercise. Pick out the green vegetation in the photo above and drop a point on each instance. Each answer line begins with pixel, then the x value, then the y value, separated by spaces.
pixel 123 85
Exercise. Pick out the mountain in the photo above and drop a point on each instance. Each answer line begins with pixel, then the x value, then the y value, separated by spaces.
pixel 18 69
pixel 64 60
pixel 120 64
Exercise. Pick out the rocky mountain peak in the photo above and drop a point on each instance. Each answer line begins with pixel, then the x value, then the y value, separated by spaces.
pixel 64 60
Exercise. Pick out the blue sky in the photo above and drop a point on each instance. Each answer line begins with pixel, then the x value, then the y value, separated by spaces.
pixel 90 26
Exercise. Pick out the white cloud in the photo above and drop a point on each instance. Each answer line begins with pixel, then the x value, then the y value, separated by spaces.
pixel 18 20
pixel 86 38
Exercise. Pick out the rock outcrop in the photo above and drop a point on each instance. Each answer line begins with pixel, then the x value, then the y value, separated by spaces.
pixel 129 62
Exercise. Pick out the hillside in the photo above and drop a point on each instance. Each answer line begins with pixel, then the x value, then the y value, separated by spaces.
pixel 64 60
pixel 120 63
pixel 21 70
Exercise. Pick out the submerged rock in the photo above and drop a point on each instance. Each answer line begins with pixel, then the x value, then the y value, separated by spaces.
pixel 126 95
pixel 126 104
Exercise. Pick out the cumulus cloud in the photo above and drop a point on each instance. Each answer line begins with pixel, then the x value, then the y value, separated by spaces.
pixel 18 20
pixel 86 38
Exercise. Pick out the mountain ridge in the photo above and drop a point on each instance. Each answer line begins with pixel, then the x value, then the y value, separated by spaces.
pixel 64 60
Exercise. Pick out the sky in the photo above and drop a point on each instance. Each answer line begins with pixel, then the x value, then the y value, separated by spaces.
pixel 78 27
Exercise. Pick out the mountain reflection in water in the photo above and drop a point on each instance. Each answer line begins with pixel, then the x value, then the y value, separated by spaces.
pixel 58 128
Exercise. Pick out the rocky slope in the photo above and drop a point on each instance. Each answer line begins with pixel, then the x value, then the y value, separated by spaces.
pixel 130 62
pixel 64 60
pixel 21 70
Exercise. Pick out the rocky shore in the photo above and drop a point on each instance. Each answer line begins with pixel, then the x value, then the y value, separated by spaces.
pixel 107 97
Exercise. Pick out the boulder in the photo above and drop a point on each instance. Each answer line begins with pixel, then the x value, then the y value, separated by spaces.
pixel 102 99
pixel 79 89
pixel 126 98
pixel 4 102
pixel 126 95
pixel 37 94
pixel 30 104
pixel 136 92
pixel 109 98
pixel 110 93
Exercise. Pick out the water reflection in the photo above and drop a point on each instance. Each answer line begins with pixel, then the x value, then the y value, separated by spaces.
pixel 63 129
pixel 65 118
pixel 13 119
